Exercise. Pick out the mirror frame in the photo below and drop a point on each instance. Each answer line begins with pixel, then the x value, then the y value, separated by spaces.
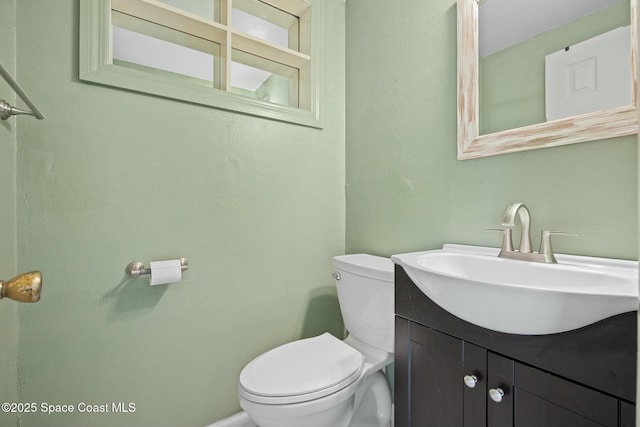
pixel 603 124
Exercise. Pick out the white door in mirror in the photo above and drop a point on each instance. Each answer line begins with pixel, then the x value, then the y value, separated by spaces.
pixel 589 76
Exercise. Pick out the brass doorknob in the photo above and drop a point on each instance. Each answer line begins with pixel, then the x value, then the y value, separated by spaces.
pixel 25 287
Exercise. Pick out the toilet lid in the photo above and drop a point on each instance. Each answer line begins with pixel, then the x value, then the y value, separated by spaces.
pixel 303 367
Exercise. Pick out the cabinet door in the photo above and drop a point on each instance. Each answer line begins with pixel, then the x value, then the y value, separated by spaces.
pixel 474 397
pixel 430 376
pixel 542 399
pixel 627 414
pixel 435 378
pixel 431 391
pixel 500 390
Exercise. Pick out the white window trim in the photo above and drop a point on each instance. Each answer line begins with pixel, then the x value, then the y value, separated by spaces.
pixel 96 66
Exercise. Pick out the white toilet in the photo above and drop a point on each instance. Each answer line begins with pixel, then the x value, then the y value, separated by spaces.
pixel 325 382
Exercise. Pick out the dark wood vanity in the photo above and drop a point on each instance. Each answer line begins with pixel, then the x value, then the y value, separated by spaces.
pixel 581 378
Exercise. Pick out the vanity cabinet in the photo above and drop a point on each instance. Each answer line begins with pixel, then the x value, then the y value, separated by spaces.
pixel 448 372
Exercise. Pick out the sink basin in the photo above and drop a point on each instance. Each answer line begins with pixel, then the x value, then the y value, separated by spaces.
pixel 521 297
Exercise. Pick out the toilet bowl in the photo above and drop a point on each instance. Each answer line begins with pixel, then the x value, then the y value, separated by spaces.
pixel 323 381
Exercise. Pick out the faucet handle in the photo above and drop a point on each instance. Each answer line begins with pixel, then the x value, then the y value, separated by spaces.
pixel 545 243
pixel 507 242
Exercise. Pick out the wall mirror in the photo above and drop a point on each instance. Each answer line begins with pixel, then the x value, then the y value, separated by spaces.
pixel 530 82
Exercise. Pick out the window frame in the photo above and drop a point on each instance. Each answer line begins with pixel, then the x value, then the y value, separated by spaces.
pixel 96 65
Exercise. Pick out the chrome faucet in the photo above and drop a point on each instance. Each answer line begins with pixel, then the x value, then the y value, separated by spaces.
pixel 525 251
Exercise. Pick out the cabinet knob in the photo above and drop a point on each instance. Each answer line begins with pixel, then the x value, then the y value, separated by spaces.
pixel 496 394
pixel 470 381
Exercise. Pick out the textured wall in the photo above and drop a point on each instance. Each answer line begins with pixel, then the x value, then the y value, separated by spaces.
pixel 257 206
pixel 110 177
pixel 405 189
pixel 8 309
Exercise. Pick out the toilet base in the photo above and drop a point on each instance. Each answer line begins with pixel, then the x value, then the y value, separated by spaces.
pixel 373 403
pixel 241 419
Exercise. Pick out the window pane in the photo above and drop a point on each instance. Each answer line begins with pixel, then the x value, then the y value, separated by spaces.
pixel 266 22
pixel 208 9
pixel 150 45
pixel 262 79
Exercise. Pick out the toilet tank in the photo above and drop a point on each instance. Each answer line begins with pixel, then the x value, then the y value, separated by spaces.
pixel 366 296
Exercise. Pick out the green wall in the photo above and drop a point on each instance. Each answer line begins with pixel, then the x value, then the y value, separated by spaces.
pixel 257 206
pixel 405 189
pixel 8 309
pixel 110 177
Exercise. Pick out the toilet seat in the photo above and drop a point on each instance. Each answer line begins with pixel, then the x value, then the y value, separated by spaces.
pixel 301 371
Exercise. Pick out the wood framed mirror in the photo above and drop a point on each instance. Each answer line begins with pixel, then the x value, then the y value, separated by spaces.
pixel 474 143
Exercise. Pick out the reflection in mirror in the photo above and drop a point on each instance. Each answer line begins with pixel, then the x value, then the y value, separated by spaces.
pixel 514 51
pixel 510 52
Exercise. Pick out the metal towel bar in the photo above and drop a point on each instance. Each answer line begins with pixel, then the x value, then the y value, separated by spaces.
pixel 6 109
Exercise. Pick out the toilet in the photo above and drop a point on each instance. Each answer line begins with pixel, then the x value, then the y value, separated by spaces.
pixel 327 382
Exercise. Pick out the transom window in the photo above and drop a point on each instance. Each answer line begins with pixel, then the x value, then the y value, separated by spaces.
pixel 252 56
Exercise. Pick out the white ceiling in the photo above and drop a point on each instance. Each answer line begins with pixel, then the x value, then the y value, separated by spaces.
pixel 504 23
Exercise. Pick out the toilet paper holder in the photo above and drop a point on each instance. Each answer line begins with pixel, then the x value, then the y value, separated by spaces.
pixel 137 269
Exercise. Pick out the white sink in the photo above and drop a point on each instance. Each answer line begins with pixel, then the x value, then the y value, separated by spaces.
pixel 521 297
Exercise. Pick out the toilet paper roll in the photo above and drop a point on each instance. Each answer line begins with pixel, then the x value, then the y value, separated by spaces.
pixel 163 272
